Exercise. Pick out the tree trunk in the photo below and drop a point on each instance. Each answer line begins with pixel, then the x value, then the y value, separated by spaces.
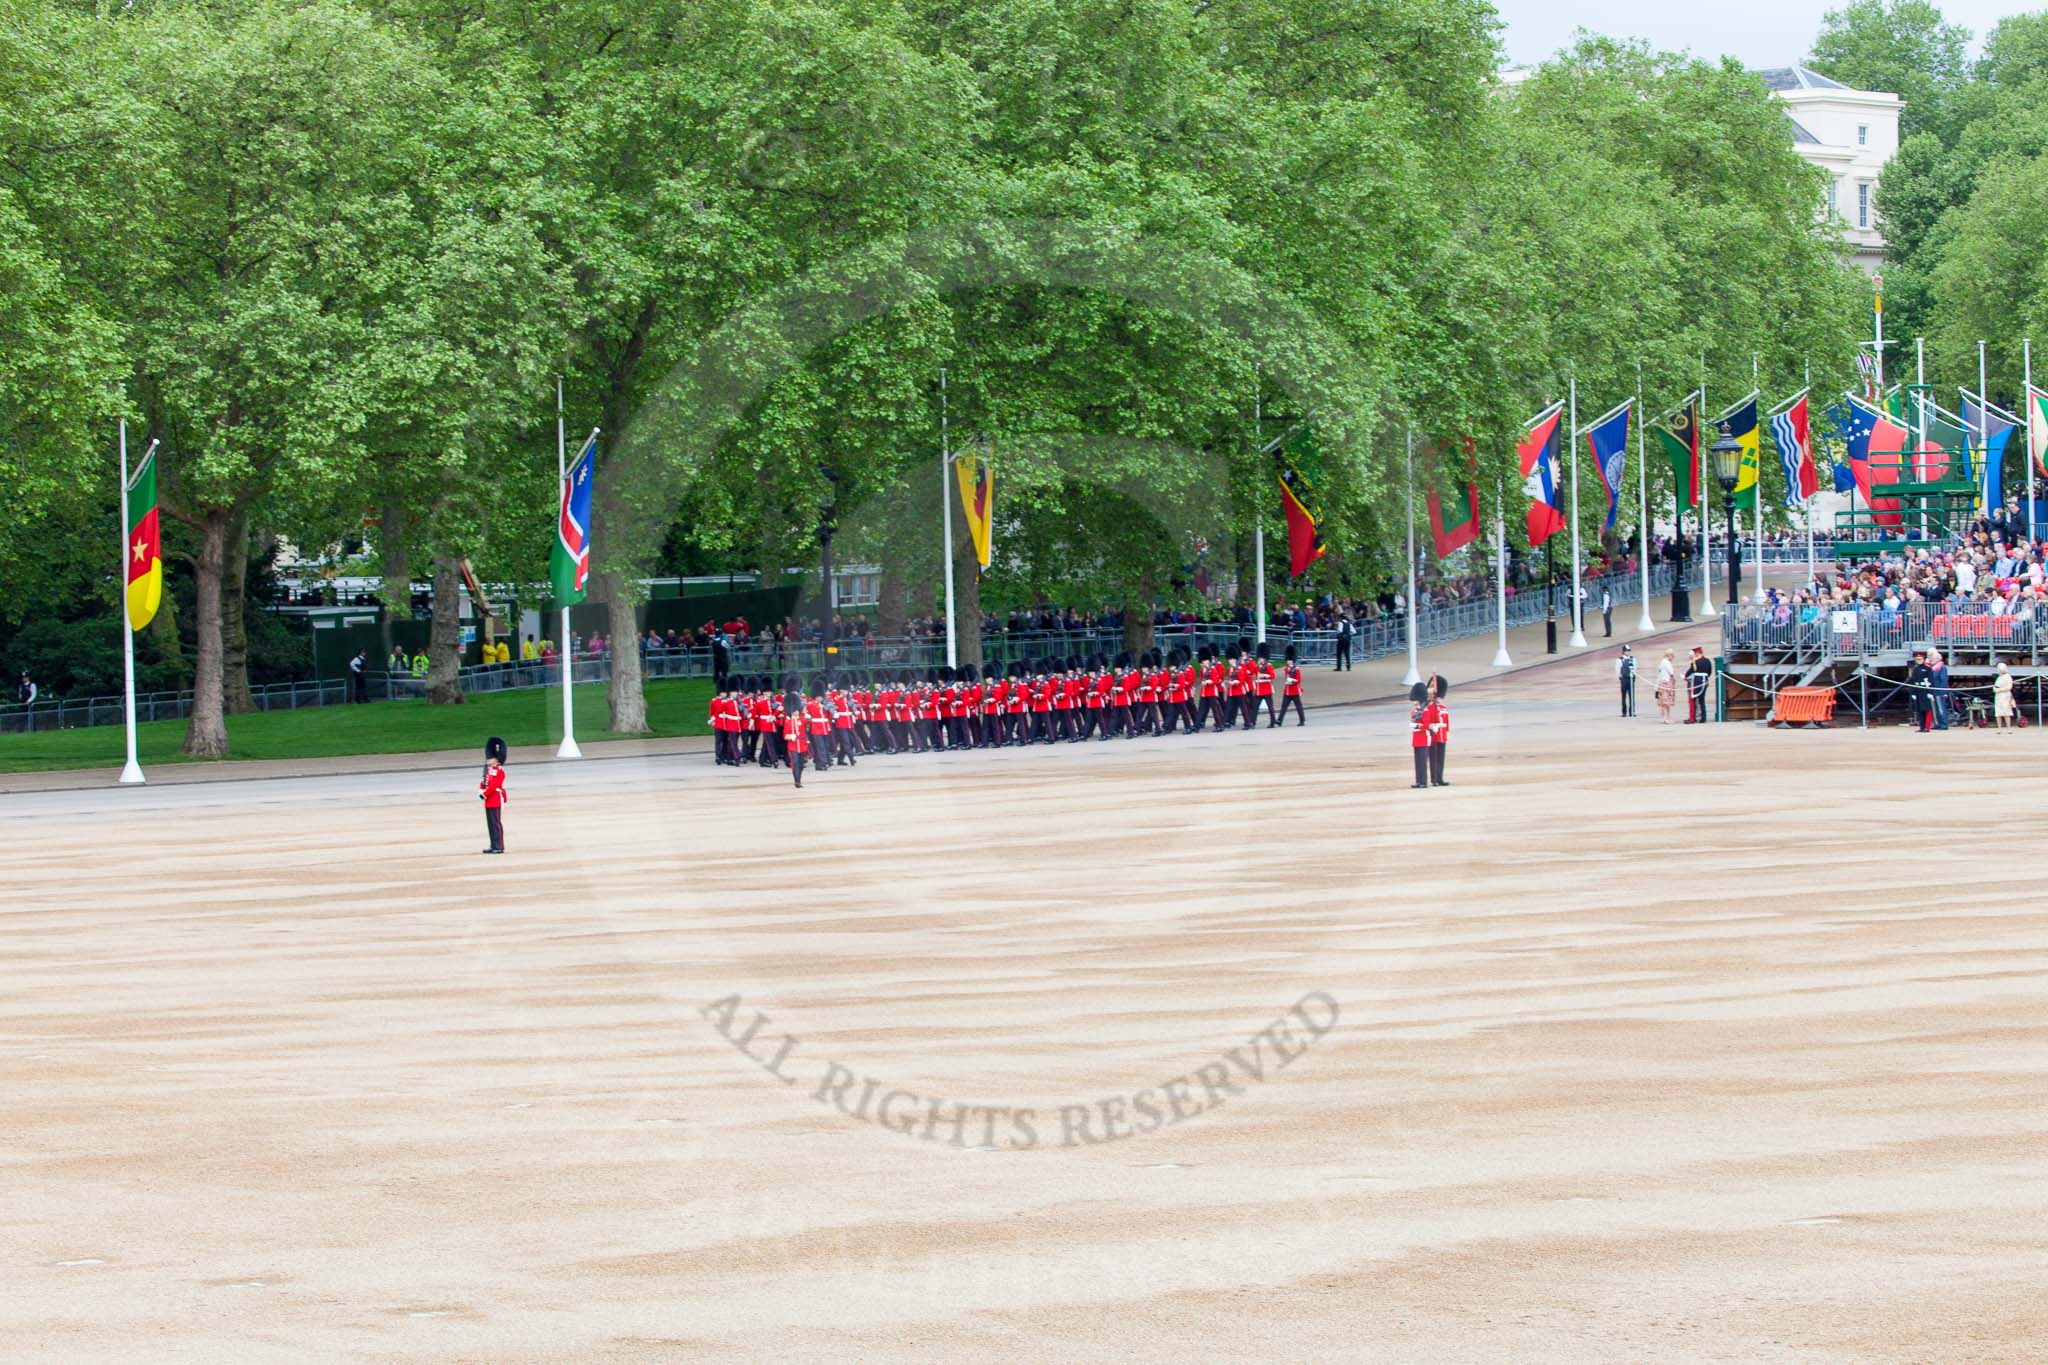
pixel 892 603
pixel 967 600
pixel 1138 617
pixel 206 733
pixel 234 619
pixel 444 635
pixel 625 696
pixel 396 594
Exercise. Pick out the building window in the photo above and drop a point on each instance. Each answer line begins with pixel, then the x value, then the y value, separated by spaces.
pixel 1834 208
pixel 1863 204
pixel 1862 135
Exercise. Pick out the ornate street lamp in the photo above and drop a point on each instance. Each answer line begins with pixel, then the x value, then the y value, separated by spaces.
pixel 1727 469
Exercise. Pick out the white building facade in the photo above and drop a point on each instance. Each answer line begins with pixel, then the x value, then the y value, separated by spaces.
pixel 1850 134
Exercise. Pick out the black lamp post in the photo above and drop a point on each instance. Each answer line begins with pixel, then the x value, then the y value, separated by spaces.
pixel 826 524
pixel 1727 469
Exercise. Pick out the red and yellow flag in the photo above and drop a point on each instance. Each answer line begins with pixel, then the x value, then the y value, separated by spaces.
pixel 145 550
pixel 977 496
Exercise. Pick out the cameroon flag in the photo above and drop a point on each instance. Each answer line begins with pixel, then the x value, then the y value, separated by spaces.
pixel 145 549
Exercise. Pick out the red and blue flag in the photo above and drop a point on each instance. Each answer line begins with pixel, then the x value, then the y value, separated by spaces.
pixel 1538 450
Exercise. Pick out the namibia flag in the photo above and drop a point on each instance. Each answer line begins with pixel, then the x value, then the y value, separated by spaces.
pixel 145 550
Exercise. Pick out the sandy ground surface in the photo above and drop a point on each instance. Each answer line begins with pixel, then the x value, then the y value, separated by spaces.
pixel 1636 1043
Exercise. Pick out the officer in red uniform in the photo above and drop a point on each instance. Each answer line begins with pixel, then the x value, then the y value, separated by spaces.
pixel 793 737
pixel 491 791
pixel 1290 692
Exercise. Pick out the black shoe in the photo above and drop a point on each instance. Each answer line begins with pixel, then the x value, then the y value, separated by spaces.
pixel 1416 787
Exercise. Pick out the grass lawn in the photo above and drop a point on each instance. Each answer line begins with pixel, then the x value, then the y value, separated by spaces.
pixel 385 727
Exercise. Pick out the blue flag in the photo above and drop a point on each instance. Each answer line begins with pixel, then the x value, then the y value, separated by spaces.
pixel 1607 442
pixel 1834 426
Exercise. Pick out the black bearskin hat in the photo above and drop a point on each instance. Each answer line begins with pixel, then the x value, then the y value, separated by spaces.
pixel 817 687
pixel 1265 650
pixel 1290 654
pixel 494 747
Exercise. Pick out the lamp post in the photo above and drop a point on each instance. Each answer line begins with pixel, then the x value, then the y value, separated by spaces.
pixel 826 524
pixel 1728 468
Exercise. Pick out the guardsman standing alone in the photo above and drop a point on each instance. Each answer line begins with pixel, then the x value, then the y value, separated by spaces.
pixel 1439 732
pixel 1418 734
pixel 491 791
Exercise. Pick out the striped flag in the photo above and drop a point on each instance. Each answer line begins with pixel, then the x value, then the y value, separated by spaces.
pixel 1791 430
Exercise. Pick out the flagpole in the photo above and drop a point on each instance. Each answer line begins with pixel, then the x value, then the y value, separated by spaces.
pixel 1500 577
pixel 568 747
pixel 131 772
pixel 2027 360
pixel 1643 622
pixel 1413 675
pixel 1812 569
pixel 1706 507
pixel 1756 492
pixel 946 506
pixel 1983 426
pixel 1920 409
pixel 1578 640
pixel 1259 513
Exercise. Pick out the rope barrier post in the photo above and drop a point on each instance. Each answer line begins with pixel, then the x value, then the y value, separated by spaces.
pixel 1863 699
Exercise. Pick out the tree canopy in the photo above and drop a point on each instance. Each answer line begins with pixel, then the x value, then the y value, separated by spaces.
pixel 333 253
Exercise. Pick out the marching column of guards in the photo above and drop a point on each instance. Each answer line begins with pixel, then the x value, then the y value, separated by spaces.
pixel 758 720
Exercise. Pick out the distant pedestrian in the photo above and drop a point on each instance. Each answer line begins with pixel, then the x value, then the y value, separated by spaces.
pixel 2001 699
pixel 1607 613
pixel 25 697
pixel 358 684
pixel 1667 686
pixel 1344 632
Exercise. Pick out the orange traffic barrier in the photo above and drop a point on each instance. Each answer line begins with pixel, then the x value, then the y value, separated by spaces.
pixel 1805 706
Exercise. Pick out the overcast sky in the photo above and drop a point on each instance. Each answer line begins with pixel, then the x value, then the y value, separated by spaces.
pixel 1756 32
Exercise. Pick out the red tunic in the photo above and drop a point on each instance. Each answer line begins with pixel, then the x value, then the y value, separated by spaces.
pixel 493 788
pixel 1419 721
pixel 1293 680
pixel 793 734
pixel 1265 678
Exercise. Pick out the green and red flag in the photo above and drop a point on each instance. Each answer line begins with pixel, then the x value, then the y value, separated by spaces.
pixel 1452 529
pixel 145 548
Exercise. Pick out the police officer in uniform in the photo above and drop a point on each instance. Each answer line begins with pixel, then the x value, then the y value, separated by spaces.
pixel 1625 674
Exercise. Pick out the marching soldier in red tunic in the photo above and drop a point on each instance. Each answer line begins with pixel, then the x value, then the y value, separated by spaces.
pixel 1290 692
pixel 794 740
pixel 491 791
pixel 1262 686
